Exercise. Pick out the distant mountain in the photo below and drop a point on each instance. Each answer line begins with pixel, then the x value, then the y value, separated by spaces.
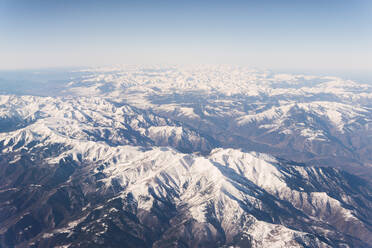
pixel 187 157
pixel 320 121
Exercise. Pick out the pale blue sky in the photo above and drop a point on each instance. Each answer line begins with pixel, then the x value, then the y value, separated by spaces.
pixel 317 35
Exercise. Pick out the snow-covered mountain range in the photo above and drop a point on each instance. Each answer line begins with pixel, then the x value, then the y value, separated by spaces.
pixel 207 156
pixel 316 120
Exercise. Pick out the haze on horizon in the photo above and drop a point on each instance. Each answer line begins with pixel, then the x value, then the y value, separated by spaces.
pixel 319 36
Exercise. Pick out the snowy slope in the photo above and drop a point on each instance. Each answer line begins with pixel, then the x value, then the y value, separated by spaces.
pixel 95 119
pixel 224 196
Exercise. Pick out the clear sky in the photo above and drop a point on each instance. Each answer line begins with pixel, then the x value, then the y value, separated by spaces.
pixel 302 35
